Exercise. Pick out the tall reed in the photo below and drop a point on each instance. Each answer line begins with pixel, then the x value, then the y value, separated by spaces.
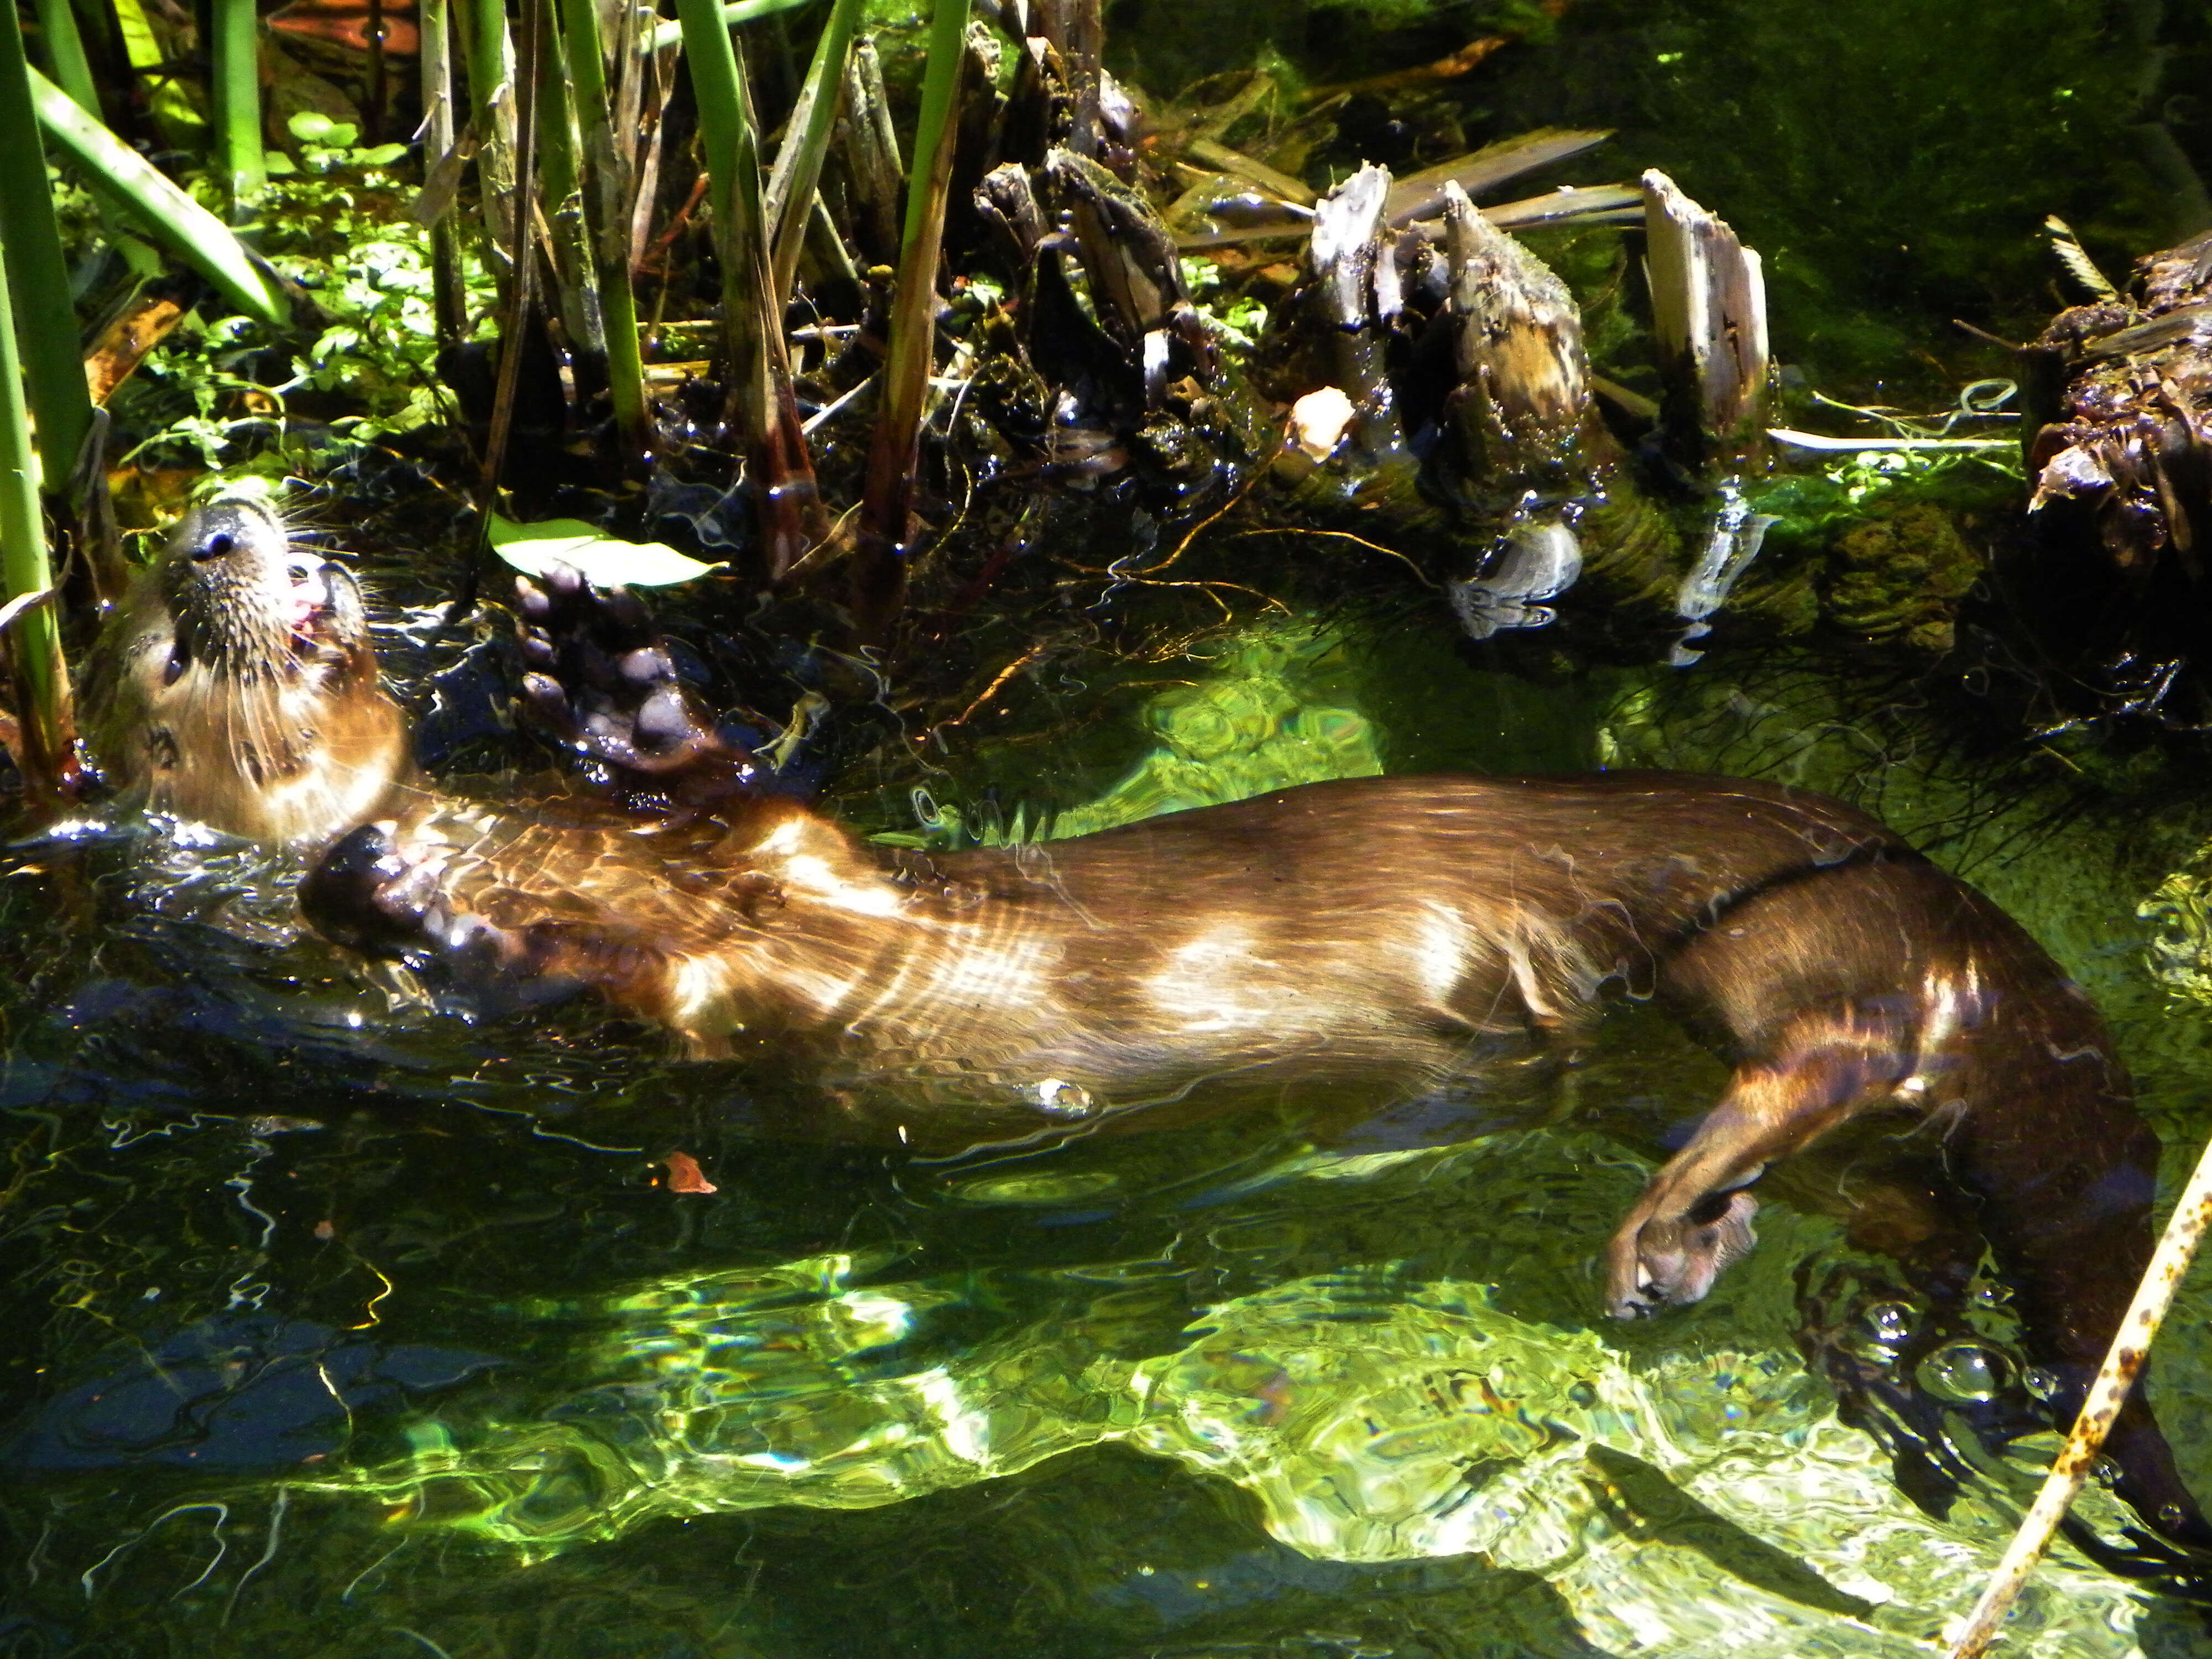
pixel 65 51
pixel 798 169
pixel 789 507
pixel 894 456
pixel 35 647
pixel 38 275
pixel 491 95
pixel 449 295
pixel 237 90
pixel 606 191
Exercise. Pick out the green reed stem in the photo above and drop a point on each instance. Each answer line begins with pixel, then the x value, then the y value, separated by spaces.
pixel 896 454
pixel 714 86
pixel 491 95
pixel 38 275
pixel 41 672
pixel 171 217
pixel 737 12
pixel 66 47
pixel 449 289
pixel 237 90
pixel 559 188
pixel 606 212
pixel 799 163
pixel 762 407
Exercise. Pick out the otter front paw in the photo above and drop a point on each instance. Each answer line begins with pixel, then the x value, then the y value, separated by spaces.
pixel 1656 1258
pixel 368 896
pixel 599 683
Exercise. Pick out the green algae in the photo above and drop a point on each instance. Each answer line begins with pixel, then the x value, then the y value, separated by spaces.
pixel 1245 722
pixel 1901 576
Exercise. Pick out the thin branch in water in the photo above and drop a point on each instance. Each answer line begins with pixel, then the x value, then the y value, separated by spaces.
pixel 2115 1377
pixel 1211 518
pixel 998 680
pixel 1422 576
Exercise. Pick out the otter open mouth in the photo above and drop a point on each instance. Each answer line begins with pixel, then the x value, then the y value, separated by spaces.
pixel 317 605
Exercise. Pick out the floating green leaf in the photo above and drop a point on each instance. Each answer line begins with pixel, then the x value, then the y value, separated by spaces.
pixel 604 561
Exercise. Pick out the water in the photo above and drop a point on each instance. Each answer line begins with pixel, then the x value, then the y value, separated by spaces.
pixel 340 1326
pixel 349 1327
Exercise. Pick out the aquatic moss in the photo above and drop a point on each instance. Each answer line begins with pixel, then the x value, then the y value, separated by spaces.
pixel 1901 576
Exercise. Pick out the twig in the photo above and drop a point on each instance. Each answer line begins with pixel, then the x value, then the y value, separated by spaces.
pixel 1346 536
pixel 2123 1362
pixel 992 690
pixel 830 410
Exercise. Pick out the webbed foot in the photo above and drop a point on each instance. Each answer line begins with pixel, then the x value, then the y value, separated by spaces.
pixel 1660 1258
pixel 598 682
pixel 368 895
pixel 365 894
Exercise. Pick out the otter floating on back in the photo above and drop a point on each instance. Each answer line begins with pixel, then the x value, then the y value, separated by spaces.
pixel 1372 937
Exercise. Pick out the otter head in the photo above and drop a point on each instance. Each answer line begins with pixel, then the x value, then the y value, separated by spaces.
pixel 237 685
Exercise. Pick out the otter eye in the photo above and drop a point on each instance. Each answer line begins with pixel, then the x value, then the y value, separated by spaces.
pixel 215 546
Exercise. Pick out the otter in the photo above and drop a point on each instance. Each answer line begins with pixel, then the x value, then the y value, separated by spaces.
pixel 1375 935
pixel 1370 937
pixel 237 686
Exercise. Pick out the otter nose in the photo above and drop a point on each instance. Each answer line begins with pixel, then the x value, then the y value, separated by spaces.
pixel 217 545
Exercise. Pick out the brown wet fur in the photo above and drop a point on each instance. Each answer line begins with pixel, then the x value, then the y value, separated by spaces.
pixel 1371 937
pixel 1352 942
pixel 216 700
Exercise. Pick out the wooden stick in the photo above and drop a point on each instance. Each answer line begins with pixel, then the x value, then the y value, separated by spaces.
pixel 2123 1362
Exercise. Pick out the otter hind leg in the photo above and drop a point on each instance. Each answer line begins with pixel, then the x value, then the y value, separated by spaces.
pixel 600 683
pixel 1694 1217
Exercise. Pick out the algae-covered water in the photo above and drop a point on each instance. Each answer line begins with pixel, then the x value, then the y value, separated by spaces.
pixel 337 1326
